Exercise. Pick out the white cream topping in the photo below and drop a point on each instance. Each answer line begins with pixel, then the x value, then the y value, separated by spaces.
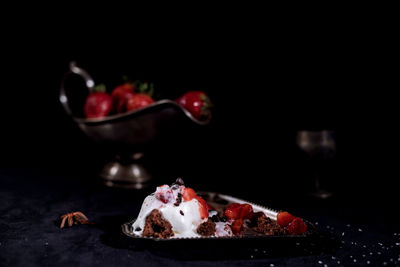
pixel 222 229
pixel 183 225
pixel 184 218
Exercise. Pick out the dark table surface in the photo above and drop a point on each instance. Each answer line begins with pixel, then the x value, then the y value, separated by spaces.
pixel 31 202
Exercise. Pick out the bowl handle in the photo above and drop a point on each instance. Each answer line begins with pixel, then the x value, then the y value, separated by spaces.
pixel 74 69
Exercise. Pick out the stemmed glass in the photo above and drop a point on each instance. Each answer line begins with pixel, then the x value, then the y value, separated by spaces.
pixel 320 146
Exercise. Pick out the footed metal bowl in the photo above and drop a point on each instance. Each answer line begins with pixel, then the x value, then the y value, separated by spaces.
pixel 130 131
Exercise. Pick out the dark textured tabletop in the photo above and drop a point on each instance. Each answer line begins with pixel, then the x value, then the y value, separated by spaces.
pixel 31 203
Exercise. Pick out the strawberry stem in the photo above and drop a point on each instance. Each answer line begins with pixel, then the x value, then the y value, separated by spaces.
pixel 100 88
pixel 145 88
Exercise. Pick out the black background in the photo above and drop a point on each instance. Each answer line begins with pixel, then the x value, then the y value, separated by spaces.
pixel 266 83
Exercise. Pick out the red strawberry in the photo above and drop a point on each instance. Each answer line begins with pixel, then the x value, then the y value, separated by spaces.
pixel 203 208
pixel 246 211
pixel 98 104
pixel 164 194
pixel 120 96
pixel 120 103
pixel 120 91
pixel 232 212
pixel 138 101
pixel 197 103
pixel 284 218
pixel 297 227
pixel 239 211
pixel 237 226
pixel 188 194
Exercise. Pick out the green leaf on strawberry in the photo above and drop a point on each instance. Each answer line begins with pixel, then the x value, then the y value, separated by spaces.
pixel 100 88
pixel 145 88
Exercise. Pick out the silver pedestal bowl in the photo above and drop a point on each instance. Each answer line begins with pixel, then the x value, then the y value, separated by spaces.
pixel 129 133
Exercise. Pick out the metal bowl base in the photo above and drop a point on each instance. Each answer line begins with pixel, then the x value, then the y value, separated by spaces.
pixel 128 175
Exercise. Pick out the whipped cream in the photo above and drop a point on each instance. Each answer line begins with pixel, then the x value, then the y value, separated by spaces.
pixel 184 216
pixel 222 229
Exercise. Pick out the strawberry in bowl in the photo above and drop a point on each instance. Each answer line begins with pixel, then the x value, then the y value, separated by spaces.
pixel 121 94
pixel 197 103
pixel 110 120
pixel 132 96
pixel 138 101
pixel 98 103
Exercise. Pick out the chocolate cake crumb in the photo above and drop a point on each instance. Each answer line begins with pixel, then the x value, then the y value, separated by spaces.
pixel 138 229
pixel 178 200
pixel 181 212
pixel 157 226
pixel 265 225
pixel 207 228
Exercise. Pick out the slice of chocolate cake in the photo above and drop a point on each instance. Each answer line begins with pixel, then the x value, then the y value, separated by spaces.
pixel 157 226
